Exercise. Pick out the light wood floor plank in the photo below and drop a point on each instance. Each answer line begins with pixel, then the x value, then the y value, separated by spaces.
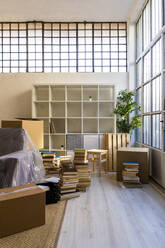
pixel 109 215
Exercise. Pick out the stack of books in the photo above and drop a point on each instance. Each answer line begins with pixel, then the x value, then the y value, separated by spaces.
pixel 66 158
pixel 51 163
pixel 66 162
pixel 69 180
pixel 130 172
pixel 80 155
pixel 82 167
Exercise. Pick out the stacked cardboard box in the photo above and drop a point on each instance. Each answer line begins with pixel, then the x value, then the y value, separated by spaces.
pixel 27 200
pixel 130 172
pixel 69 180
pixel 82 167
pixel 51 163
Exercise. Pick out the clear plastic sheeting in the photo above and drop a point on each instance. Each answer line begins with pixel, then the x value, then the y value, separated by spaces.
pixel 20 160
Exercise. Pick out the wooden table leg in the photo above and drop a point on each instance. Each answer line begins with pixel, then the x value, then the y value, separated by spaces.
pixel 106 164
pixel 99 164
pixel 93 162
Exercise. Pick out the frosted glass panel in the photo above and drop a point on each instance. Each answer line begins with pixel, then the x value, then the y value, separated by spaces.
pixel 147 98
pixel 156 94
pixel 147 130
pixel 146 25
pixel 147 67
pixel 156 129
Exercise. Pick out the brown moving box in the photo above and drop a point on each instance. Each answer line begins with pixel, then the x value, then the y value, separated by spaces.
pixel 21 208
pixel 33 127
pixel 136 154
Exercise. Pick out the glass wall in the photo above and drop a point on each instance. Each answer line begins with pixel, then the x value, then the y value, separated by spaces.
pixel 149 73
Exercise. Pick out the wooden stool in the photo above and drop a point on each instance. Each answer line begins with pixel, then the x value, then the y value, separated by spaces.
pixel 98 156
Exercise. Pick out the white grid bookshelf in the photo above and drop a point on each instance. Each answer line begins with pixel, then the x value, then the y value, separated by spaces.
pixel 68 110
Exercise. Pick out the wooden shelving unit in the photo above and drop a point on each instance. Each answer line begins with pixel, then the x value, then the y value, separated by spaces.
pixel 78 121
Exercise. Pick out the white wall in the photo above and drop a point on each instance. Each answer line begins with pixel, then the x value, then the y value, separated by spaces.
pixel 16 89
pixel 63 10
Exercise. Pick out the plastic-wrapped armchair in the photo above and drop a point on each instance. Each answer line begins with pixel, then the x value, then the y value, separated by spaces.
pixel 20 160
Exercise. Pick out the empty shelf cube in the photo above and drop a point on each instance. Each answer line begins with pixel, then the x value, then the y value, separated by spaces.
pixel 106 93
pixel 106 125
pixel 41 109
pixel 58 125
pixel 58 93
pixel 74 125
pixel 73 93
pixel 90 109
pixel 58 109
pixel 106 109
pixel 90 125
pixel 74 109
pixel 57 141
pixel 41 93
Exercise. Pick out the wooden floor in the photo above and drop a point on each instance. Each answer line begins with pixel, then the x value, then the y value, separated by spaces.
pixel 109 215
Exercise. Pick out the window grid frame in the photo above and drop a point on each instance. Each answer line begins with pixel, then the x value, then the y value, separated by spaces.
pixel 102 66
pixel 160 75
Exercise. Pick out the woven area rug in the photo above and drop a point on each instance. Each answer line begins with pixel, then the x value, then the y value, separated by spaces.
pixel 40 237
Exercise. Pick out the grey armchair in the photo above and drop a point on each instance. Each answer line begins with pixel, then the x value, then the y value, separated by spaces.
pixel 20 161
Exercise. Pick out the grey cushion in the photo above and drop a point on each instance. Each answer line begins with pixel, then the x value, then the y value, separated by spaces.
pixel 20 163
pixel 11 140
pixel 7 169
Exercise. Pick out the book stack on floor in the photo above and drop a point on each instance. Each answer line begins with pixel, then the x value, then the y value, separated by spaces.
pixel 51 163
pixel 66 158
pixel 66 162
pixel 130 173
pixel 82 167
pixel 69 181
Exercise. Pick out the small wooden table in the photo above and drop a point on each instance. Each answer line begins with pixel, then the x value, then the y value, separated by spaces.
pixel 98 156
pixel 137 154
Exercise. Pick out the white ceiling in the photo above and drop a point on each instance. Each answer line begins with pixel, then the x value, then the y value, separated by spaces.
pixel 65 10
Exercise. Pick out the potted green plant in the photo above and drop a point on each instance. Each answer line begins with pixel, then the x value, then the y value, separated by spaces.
pixel 90 98
pixel 127 117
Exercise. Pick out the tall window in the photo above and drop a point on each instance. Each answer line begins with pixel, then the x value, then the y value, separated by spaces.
pixel 63 47
pixel 157 14
pixel 149 72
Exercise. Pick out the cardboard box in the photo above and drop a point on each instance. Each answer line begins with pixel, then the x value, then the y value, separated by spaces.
pixel 136 154
pixel 21 208
pixel 35 129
